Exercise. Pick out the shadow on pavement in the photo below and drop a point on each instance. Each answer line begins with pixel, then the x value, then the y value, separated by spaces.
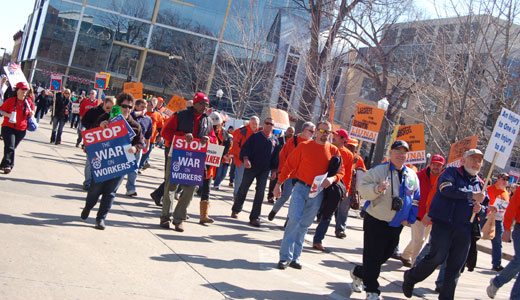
pixel 40 182
pixel 212 262
pixel 236 292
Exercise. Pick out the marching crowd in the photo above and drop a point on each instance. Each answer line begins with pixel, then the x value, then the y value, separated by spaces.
pixel 320 173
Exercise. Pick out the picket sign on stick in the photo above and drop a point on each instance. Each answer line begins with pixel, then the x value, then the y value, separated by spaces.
pixel 359 147
pixel 53 105
pixel 486 183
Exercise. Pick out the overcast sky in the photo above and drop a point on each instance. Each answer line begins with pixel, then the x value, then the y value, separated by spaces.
pixel 15 16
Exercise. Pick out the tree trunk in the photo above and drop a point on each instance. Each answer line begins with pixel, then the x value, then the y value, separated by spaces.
pixel 380 151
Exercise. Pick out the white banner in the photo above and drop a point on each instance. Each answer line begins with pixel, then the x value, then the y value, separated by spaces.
pixel 14 74
pixel 503 137
pixel 214 154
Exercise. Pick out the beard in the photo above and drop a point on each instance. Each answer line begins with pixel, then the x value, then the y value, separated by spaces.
pixel 471 172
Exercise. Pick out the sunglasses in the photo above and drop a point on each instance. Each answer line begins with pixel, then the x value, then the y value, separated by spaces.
pixel 311 131
pixel 269 123
pixel 323 131
pixel 126 106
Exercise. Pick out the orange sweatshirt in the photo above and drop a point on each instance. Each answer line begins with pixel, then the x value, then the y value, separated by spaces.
pixel 348 163
pixel 512 211
pixel 495 193
pixel 238 141
pixel 287 149
pixel 309 160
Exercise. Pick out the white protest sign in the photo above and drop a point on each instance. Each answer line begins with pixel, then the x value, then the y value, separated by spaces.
pixel 316 185
pixel 14 74
pixel 503 137
pixel 214 154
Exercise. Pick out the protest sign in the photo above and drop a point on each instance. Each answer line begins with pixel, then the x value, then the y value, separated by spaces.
pixel 503 138
pixel 107 151
pixel 56 82
pixel 134 88
pixel 187 164
pixel 214 154
pixel 514 176
pixel 316 187
pixel 280 118
pixel 101 81
pixel 414 136
pixel 108 77
pixel 367 122
pixel 14 74
pixel 131 132
pixel 458 149
pixel 176 103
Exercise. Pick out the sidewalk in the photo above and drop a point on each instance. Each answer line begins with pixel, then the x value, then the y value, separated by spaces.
pixel 50 253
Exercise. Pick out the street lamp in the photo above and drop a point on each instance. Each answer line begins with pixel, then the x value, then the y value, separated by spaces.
pixel 219 94
pixel 383 103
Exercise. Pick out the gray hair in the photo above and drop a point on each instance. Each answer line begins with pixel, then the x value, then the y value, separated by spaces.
pixel 308 125
pixel 256 119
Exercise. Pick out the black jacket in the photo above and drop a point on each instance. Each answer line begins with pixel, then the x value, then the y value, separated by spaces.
pixel 62 106
pixel 335 192
pixel 263 152
pixel 91 116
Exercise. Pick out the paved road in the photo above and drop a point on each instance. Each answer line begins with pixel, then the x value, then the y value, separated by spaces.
pixel 48 252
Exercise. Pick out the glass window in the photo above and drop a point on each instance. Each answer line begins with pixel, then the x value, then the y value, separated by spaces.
pixel 42 74
pixel 136 8
pixel 124 61
pixel 58 31
pixel 368 90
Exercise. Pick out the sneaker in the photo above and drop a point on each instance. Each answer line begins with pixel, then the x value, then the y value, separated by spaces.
pixel 341 235
pixel 7 170
pixel 282 265
pixel 295 265
pixel 407 286
pixel 100 224
pixel 492 289
pixel 131 193
pixel 357 283
pixel 372 296
pixel 498 268
pixel 156 199
pixel 271 215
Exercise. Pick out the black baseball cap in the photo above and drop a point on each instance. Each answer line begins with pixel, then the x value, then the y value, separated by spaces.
pixel 400 143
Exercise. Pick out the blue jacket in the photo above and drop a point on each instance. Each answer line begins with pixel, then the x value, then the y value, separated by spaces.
pixel 452 204
pixel 262 151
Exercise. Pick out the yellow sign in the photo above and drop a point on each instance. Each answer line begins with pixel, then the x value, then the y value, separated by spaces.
pixel 108 76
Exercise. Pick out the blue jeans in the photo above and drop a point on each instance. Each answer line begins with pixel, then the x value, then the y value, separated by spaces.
pixel 80 137
pixel 107 190
pixel 221 174
pixel 132 176
pixel 146 156
pixel 446 244
pixel 302 211
pixel 239 173
pixel 323 226
pixel 261 182
pixel 286 193
pixel 232 172
pixel 88 174
pixel 57 129
pixel 512 268
pixel 496 244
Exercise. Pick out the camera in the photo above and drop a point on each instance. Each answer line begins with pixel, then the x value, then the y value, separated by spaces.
pixel 397 203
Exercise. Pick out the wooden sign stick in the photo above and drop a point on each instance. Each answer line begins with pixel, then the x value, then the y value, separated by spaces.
pixel 486 183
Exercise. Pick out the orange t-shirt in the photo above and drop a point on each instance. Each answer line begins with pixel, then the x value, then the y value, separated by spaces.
pixel 512 211
pixel 309 160
pixel 348 163
pixel 499 199
pixel 157 122
pixel 287 149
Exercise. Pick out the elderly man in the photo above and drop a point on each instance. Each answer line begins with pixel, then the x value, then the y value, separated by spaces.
pixel 459 194
pixel 427 178
pixel 260 156
pixel 240 136
pixel 392 193
pixel 308 160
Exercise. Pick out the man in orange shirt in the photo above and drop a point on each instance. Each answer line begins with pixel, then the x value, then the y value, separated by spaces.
pixel 157 122
pixel 498 201
pixel 338 139
pixel 513 267
pixel 239 138
pixel 288 148
pixel 308 160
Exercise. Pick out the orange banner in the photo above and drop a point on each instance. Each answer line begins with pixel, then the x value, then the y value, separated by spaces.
pixel 458 149
pixel 367 122
pixel 280 118
pixel 414 136
pixel 176 103
pixel 134 88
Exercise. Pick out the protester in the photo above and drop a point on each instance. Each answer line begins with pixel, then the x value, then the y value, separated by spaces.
pixel 339 138
pixel 308 129
pixel 62 105
pixel 459 194
pixel 427 177
pixel 513 267
pixel 227 159
pixel 157 123
pixel 15 111
pixel 498 202
pixel 192 122
pixel 392 193
pixel 85 106
pixel 260 156
pixel 107 189
pixel 308 160
pixel 232 167
pixel 41 105
pixel 76 103
pixel 289 133
pixel 240 136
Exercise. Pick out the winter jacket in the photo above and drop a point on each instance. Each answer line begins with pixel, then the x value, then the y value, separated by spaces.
pixel 62 107
pixel 427 182
pixel 335 192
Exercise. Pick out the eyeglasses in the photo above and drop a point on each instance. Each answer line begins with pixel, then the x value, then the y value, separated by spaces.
pixel 126 106
pixel 269 123
pixel 311 131
pixel 325 131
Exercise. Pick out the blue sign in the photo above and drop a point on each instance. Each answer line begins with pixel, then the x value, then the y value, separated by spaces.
pixel 107 151
pixel 188 160
pixel 56 85
pixel 131 132
pixel 100 82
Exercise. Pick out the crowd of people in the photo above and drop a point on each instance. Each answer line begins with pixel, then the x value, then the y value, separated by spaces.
pixel 320 173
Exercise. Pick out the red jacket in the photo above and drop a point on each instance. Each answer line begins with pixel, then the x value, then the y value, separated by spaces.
pixel 427 182
pixel 85 105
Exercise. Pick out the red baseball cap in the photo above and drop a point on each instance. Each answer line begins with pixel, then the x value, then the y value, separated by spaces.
pixel 438 159
pixel 199 97
pixel 22 85
pixel 342 133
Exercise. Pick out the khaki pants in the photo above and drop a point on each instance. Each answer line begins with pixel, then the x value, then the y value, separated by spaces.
pixel 180 211
pixel 419 236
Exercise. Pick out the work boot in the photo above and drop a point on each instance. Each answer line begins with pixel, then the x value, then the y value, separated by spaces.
pixel 204 211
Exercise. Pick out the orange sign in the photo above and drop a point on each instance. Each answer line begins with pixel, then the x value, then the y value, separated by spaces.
pixel 280 118
pixel 134 88
pixel 458 149
pixel 335 127
pixel 176 103
pixel 414 136
pixel 367 122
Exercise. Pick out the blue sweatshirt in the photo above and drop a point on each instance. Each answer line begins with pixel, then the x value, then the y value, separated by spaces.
pixel 262 152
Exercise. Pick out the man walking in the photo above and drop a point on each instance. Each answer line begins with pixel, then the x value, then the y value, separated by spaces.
pixel 84 107
pixel 240 136
pixel 392 193
pixel 289 133
pixel 61 114
pixel 308 160
pixel 498 202
pixel 459 194
pixel 260 155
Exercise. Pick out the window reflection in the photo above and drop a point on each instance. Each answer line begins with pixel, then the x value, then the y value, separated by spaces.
pixel 124 61
pixel 136 8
